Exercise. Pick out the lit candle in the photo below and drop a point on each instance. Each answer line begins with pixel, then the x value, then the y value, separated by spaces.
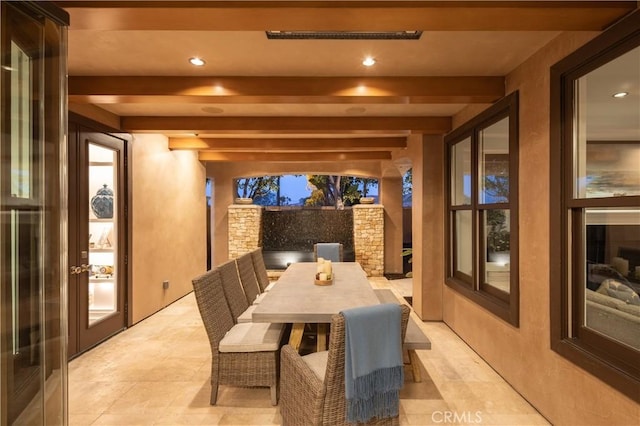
pixel 320 268
pixel 323 276
pixel 321 260
pixel 327 267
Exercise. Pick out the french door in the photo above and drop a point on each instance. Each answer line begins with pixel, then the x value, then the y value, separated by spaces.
pixel 32 213
pixel 97 237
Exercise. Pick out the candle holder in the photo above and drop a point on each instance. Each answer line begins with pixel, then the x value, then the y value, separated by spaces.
pixel 323 282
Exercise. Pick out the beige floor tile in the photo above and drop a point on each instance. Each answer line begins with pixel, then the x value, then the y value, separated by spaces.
pixel 129 419
pixel 94 397
pixel 82 419
pixel 248 419
pixel 158 372
pixel 188 419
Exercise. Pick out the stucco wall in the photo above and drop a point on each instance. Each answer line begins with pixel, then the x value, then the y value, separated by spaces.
pixel 169 223
pixel 562 392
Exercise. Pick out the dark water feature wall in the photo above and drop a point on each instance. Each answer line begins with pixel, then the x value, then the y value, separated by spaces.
pixel 288 235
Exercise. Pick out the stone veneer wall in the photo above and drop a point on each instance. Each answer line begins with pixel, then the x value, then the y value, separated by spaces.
pixel 368 234
pixel 368 237
pixel 244 229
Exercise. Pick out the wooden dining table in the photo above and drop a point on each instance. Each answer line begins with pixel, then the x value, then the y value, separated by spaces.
pixel 296 299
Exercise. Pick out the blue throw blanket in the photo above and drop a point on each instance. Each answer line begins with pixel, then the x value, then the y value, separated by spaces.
pixel 374 372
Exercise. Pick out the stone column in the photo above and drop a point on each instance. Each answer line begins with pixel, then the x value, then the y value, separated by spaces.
pixel 368 237
pixel 245 229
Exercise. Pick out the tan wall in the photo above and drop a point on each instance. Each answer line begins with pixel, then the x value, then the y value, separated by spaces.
pixel 391 199
pixel 169 223
pixel 562 392
pixel 427 223
pixel 223 174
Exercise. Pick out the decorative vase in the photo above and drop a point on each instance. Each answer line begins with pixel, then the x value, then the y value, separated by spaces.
pixel 241 200
pixel 102 203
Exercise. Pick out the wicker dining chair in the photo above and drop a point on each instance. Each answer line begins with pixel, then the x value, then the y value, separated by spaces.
pixel 241 354
pixel 260 269
pixel 329 251
pixel 312 389
pixel 232 288
pixel 248 278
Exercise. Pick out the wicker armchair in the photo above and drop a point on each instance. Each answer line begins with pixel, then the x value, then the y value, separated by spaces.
pixel 305 396
pixel 260 269
pixel 242 354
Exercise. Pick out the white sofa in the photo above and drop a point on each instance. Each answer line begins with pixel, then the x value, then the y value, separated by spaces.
pixel 614 318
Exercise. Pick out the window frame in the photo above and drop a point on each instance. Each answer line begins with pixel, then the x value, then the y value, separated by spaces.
pixel 502 304
pixel 603 357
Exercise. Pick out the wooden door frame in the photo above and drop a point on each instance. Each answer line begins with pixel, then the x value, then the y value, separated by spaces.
pixel 78 124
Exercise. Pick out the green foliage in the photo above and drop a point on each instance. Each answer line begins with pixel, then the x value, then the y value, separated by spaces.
pixel 407 182
pixel 333 190
pixel 316 199
pixel 257 187
pixel 498 236
pixel 366 184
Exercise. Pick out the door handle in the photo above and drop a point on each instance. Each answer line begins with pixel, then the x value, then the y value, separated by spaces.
pixel 85 268
pixel 75 270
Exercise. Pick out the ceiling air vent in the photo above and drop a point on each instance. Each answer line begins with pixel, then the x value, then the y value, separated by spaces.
pixel 344 35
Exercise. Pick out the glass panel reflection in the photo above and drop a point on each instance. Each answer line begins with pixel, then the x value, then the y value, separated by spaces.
pixel 461 173
pixel 493 149
pixel 612 303
pixel 498 249
pixel 607 129
pixel 103 228
pixel 463 242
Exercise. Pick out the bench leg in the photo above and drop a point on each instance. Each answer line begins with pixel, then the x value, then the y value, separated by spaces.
pixel 415 365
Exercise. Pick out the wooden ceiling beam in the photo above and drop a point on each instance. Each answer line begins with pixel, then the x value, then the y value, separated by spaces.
pixel 425 125
pixel 290 156
pixel 137 89
pixel 346 15
pixel 287 144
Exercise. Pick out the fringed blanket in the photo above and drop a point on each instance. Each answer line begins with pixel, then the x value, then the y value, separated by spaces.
pixel 374 371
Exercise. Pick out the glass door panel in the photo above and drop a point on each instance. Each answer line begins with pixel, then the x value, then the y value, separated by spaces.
pixel 103 233
pixel 32 127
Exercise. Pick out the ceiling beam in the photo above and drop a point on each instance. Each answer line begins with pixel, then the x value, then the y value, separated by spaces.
pixel 346 15
pixel 425 125
pixel 135 89
pixel 291 156
pixel 288 144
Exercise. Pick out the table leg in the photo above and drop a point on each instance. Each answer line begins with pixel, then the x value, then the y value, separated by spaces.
pixel 295 338
pixel 322 337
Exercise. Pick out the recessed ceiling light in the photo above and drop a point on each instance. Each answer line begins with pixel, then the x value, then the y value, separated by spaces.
pixel 368 61
pixel 620 94
pixel 198 62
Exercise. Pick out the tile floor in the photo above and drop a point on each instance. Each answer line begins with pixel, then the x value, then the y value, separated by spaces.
pixel 157 373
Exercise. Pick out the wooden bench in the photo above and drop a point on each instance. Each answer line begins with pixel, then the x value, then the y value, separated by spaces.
pixel 414 340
